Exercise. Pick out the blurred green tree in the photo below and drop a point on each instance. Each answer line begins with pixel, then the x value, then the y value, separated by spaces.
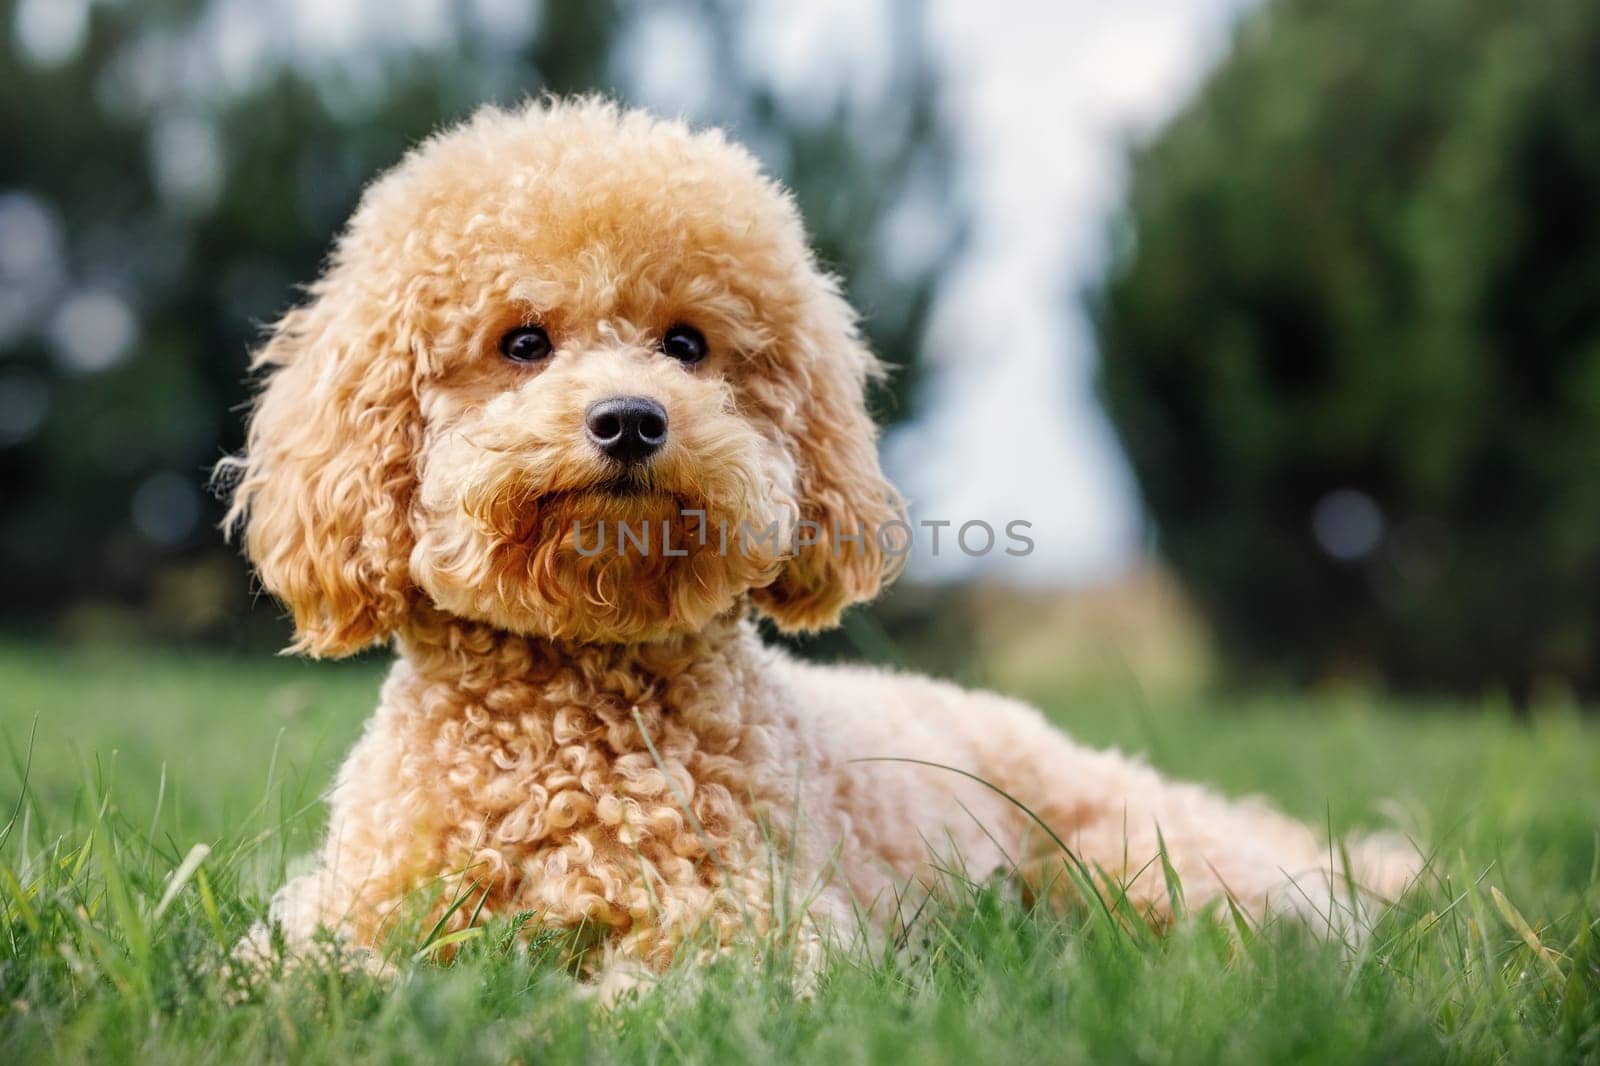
pixel 173 171
pixel 1351 341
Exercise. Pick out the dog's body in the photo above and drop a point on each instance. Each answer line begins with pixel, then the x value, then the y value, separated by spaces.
pixel 572 315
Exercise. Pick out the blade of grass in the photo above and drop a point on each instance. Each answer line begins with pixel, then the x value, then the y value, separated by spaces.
pixel 208 903
pixel 19 901
pixel 22 787
pixel 180 877
pixel 127 916
pixel 1520 926
pixel 1170 874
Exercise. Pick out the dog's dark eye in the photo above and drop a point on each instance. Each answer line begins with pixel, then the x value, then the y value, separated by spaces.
pixel 685 344
pixel 525 344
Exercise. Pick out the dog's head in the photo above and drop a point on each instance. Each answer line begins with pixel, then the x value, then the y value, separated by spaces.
pixel 573 372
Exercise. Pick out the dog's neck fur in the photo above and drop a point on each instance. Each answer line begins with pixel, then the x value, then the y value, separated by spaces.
pixel 477 660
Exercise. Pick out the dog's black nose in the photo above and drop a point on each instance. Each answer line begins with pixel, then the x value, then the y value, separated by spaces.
pixel 629 429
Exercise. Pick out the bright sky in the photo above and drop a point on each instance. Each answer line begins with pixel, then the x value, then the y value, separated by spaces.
pixel 1046 94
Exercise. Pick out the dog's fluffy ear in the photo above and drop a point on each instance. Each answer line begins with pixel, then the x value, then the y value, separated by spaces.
pixel 323 491
pixel 846 503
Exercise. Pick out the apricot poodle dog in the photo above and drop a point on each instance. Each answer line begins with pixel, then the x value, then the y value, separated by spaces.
pixel 571 403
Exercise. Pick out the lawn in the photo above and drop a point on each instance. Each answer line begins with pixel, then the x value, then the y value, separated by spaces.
pixel 131 759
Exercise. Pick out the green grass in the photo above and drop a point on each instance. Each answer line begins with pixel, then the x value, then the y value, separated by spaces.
pixel 135 758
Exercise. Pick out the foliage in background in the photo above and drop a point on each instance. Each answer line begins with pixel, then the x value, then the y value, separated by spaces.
pixel 161 198
pixel 1351 341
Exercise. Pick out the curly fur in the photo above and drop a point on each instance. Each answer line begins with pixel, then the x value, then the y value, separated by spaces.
pixel 603 739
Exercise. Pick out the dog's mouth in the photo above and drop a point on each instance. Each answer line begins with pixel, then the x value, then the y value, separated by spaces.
pixel 520 514
pixel 627 487
pixel 618 496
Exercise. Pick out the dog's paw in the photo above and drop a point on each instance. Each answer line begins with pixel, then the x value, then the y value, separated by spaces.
pixel 266 953
pixel 618 982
